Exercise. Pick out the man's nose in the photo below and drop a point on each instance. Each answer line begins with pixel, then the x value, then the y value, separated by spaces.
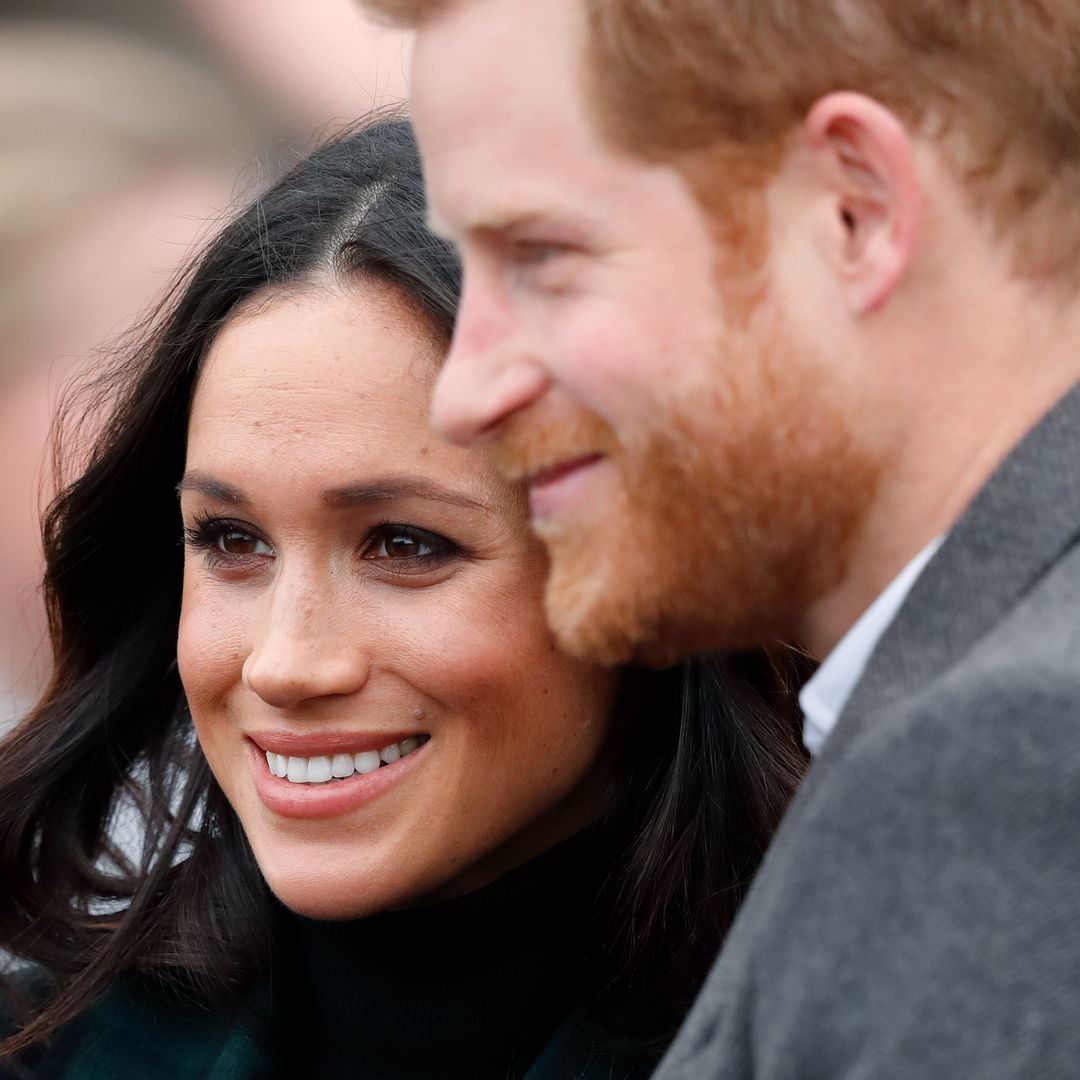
pixel 486 376
pixel 303 650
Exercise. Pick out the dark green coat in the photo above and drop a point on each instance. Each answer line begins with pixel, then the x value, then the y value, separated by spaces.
pixel 135 1033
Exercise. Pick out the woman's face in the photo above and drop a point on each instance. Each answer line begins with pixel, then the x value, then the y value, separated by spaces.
pixel 362 640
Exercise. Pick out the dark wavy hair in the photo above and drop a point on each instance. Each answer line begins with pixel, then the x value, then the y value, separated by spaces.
pixel 707 763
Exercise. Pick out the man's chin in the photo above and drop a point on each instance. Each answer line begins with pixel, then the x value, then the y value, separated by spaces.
pixel 601 635
pixel 600 643
pixel 614 594
pixel 714 535
pixel 614 614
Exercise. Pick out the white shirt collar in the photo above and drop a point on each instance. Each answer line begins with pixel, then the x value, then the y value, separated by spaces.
pixel 826 693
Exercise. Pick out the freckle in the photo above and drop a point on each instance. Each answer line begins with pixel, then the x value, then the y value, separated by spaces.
pixel 423 451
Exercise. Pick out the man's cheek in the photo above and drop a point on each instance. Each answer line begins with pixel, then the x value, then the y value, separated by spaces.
pixel 611 367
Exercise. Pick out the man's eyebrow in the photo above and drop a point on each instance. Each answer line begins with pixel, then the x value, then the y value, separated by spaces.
pixel 504 219
pixel 374 491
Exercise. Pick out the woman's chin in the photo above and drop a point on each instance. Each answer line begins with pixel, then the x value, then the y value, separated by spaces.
pixel 316 891
pixel 315 897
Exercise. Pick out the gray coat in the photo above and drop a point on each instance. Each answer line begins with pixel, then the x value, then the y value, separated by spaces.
pixel 919 912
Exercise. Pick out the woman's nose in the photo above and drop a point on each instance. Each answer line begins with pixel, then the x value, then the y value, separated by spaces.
pixel 304 650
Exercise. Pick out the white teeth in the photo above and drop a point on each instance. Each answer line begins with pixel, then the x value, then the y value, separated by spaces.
pixel 321 770
pixel 272 763
pixel 366 762
pixel 318 770
pixel 342 766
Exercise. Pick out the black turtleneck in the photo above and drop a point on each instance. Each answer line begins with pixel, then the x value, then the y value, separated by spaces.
pixel 470 989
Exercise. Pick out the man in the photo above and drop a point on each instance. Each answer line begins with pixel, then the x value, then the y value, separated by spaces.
pixel 773 306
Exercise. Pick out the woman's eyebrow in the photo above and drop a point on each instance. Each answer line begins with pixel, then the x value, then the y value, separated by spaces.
pixel 201 484
pixel 401 487
pixel 373 491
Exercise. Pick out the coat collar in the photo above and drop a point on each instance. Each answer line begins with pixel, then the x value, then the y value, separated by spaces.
pixel 139 1030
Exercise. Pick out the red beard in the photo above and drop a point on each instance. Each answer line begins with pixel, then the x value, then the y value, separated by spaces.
pixel 736 506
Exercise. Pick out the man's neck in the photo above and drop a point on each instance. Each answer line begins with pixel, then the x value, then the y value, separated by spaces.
pixel 972 418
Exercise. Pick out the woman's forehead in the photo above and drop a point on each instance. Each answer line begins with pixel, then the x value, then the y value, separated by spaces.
pixel 355 337
pixel 335 386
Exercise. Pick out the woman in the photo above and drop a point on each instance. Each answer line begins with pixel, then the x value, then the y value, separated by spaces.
pixel 385 828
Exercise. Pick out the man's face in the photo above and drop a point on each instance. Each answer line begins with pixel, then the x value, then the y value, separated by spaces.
pixel 689 464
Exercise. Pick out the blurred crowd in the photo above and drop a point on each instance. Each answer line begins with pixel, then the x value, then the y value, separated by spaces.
pixel 128 131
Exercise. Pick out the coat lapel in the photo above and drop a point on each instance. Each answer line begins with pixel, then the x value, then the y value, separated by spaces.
pixel 580 1050
pixel 138 1032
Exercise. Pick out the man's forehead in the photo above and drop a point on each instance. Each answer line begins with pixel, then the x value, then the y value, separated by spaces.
pixel 500 113
pixel 517 81
pixel 515 28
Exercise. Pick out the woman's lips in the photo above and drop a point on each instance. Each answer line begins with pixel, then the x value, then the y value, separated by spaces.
pixel 317 743
pixel 314 800
pixel 560 486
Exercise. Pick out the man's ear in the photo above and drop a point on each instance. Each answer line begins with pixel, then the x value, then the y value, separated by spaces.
pixel 863 156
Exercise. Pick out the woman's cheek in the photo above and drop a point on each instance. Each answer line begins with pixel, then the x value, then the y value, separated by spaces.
pixel 211 644
pixel 496 667
pixel 470 648
pixel 210 660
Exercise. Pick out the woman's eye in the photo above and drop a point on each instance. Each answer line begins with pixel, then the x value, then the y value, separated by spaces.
pixel 398 542
pixel 238 542
pixel 221 541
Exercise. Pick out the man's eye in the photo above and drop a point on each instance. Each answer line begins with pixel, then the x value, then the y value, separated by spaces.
pixel 543 266
pixel 398 542
pixel 534 252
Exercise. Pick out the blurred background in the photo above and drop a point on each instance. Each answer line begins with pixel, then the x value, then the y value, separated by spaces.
pixel 128 130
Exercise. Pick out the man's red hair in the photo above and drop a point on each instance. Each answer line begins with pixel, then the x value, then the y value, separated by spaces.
pixel 996 82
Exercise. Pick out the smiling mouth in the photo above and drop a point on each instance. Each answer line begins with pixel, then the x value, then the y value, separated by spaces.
pixel 325 769
pixel 561 488
pixel 552 474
